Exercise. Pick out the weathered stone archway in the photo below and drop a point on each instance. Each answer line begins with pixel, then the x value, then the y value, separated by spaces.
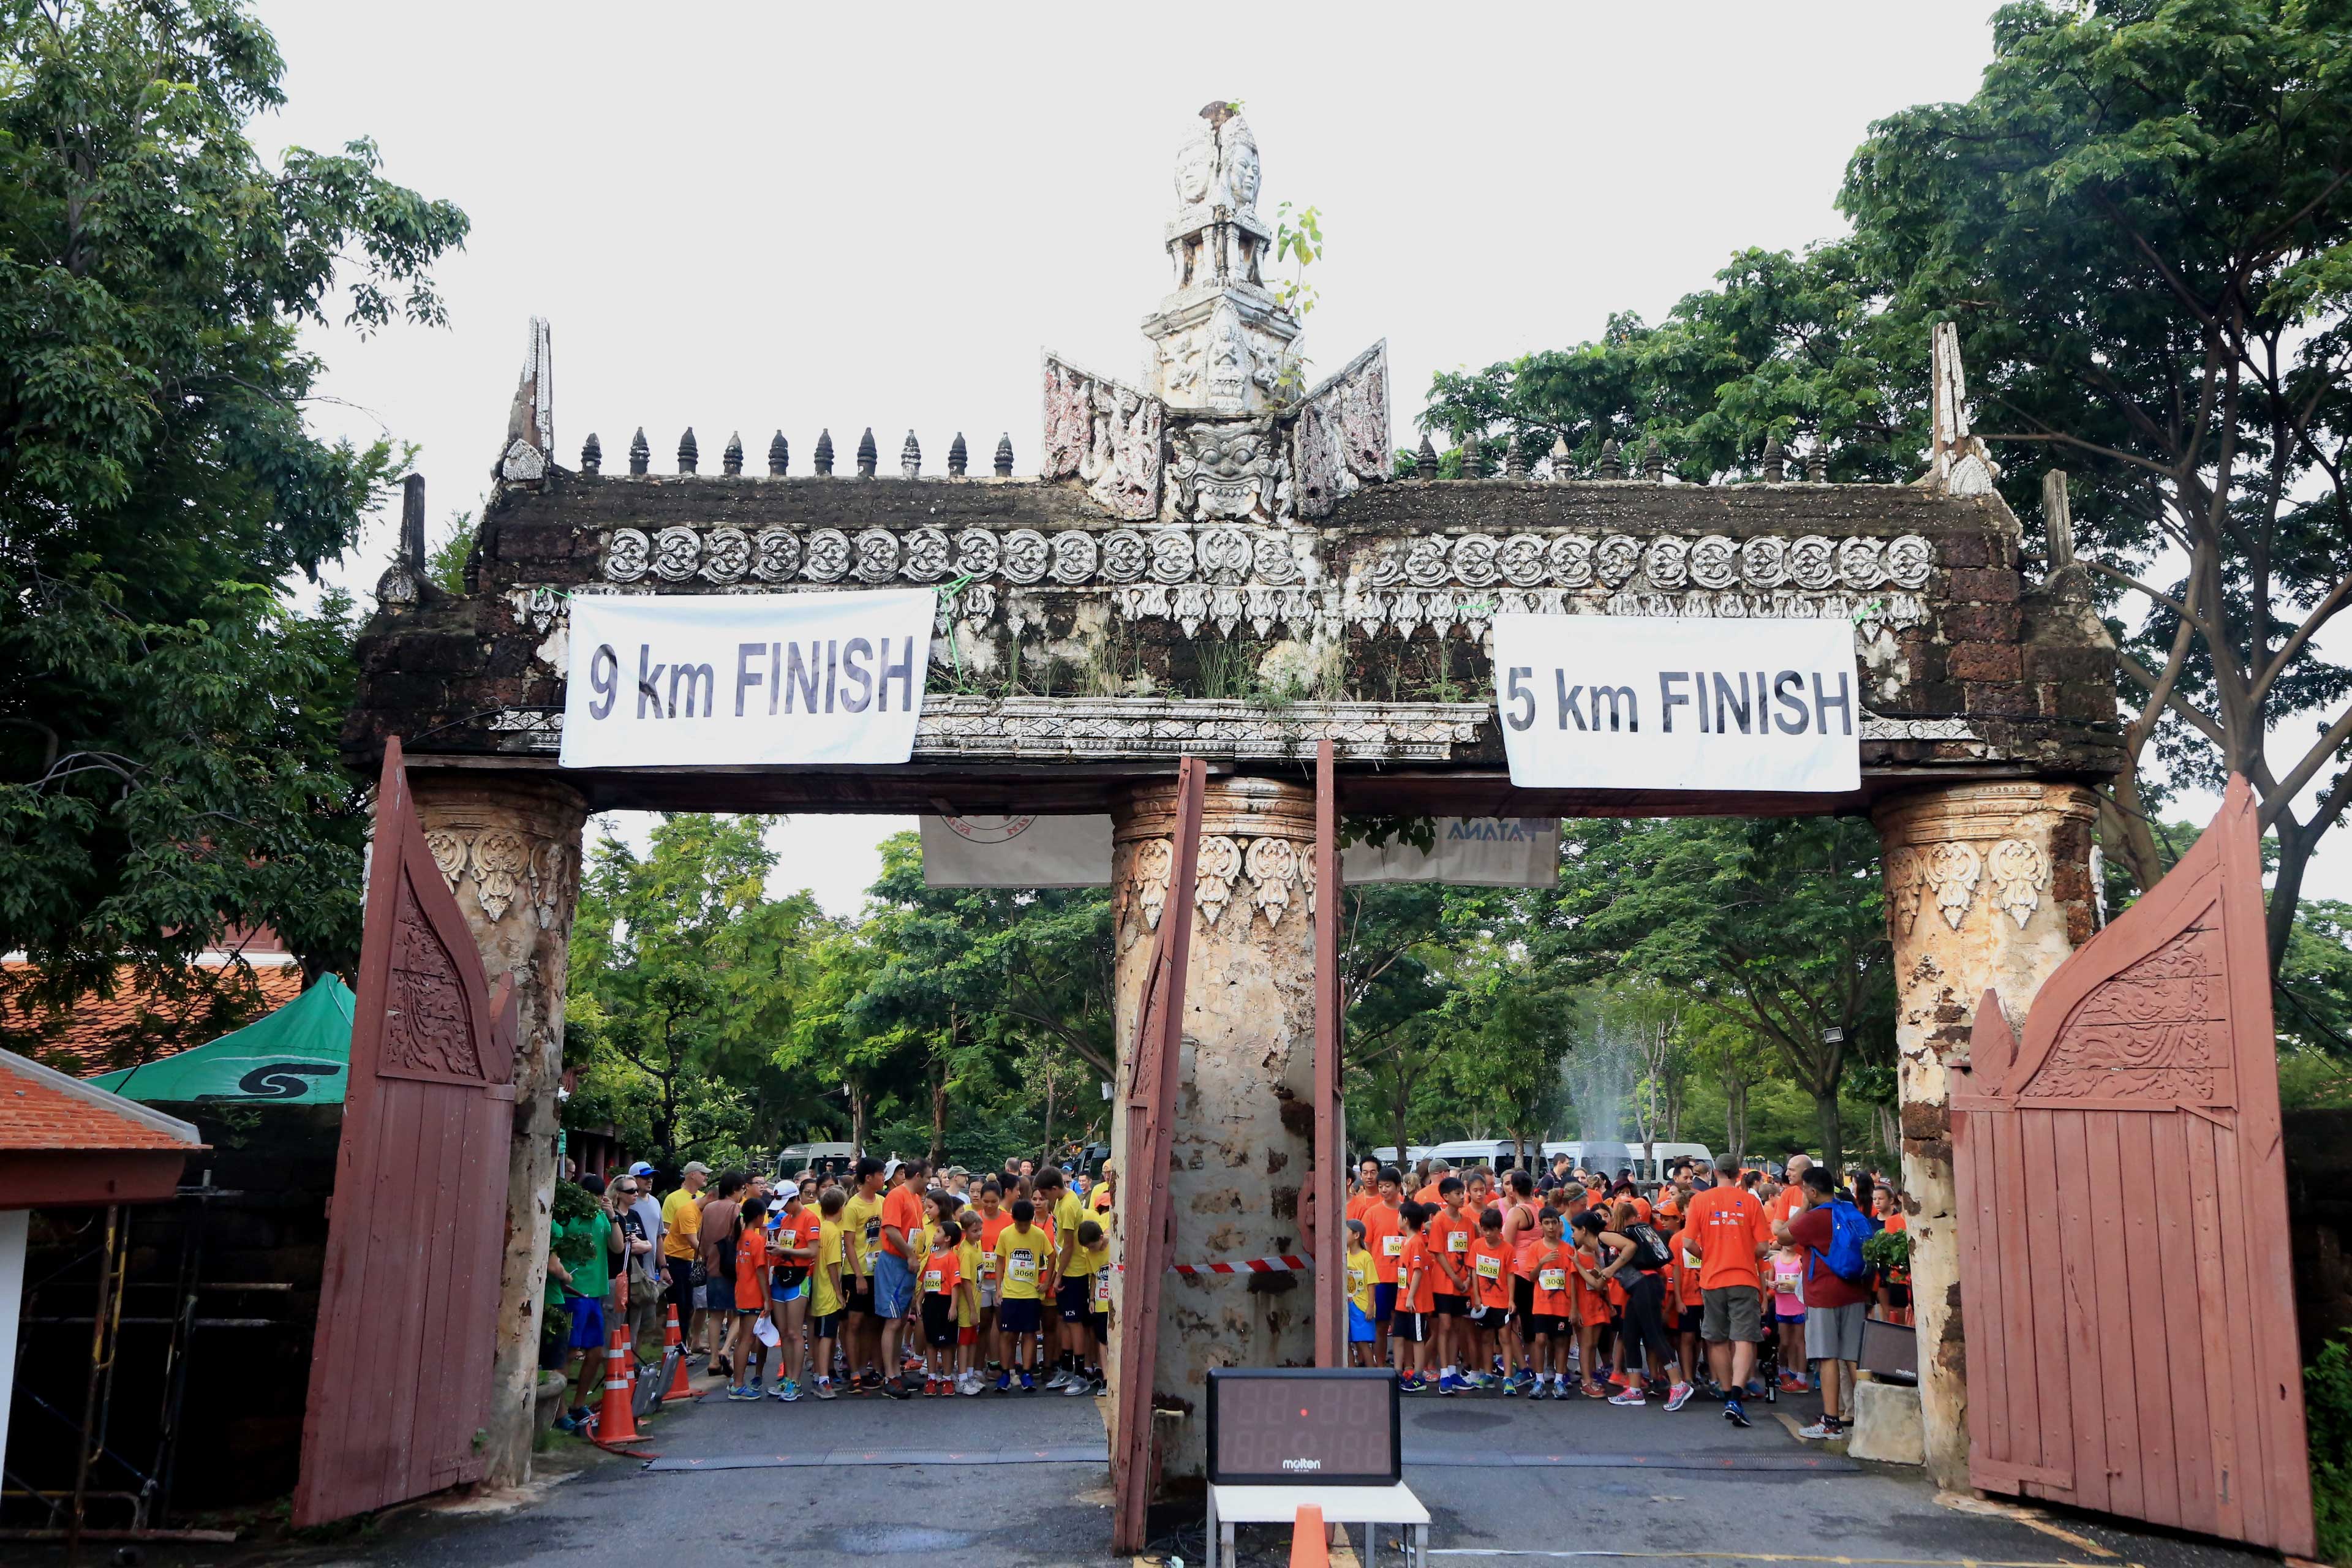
pixel 1221 564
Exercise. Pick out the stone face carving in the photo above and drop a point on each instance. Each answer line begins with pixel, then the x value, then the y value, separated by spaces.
pixel 1228 470
pixel 499 861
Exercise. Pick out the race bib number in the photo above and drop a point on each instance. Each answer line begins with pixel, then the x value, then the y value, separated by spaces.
pixel 1552 1278
pixel 1490 1267
pixel 1392 1246
pixel 1102 1286
pixel 1021 1266
pixel 988 1266
pixel 1355 1281
pixel 1690 1258
pixel 873 1231
pixel 1458 1241
pixel 931 1280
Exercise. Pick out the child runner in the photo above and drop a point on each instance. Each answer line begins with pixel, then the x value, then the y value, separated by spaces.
pixel 993 1218
pixel 1521 1237
pixel 1022 1254
pixel 968 1264
pixel 1363 1332
pixel 1448 1233
pixel 1787 1269
pixel 796 1235
pixel 743 1346
pixel 827 1296
pixel 861 1218
pixel 1384 1234
pixel 1591 1309
pixel 942 1277
pixel 1416 1301
pixel 1550 1301
pixel 1073 1291
pixel 1094 1251
pixel 1493 1342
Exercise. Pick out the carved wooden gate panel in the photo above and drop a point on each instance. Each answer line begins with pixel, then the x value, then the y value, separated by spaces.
pixel 400 1371
pixel 2125 1283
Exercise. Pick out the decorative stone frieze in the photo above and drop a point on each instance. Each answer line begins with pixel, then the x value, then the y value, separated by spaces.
pixel 1106 435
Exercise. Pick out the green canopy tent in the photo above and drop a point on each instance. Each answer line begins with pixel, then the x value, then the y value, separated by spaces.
pixel 300 1054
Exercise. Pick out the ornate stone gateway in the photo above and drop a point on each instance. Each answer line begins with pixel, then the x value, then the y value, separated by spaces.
pixel 1219 563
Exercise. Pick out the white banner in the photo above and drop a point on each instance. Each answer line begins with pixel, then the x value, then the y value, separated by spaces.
pixel 699 680
pixel 1468 851
pixel 1719 705
pixel 1016 851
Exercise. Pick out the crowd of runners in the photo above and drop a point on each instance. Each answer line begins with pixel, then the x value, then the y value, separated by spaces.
pixel 888 1279
pixel 1725 1283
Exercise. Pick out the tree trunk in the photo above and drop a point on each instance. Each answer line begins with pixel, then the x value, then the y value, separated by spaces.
pixel 1047 1151
pixel 2286 887
pixel 1825 1114
pixel 856 1118
pixel 938 1149
pixel 1396 1118
pixel 1735 1115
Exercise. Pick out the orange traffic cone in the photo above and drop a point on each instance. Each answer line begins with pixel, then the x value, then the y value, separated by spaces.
pixel 1311 1542
pixel 616 1419
pixel 674 1348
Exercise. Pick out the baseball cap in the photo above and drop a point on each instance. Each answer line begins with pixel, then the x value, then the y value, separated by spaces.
pixel 641 1169
pixel 695 1168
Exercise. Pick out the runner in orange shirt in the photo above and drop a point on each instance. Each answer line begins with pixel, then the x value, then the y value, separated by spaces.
pixel 1416 1301
pixel 1729 1228
pixel 1385 1235
pixel 1367 1189
pixel 1493 1336
pixel 1522 1235
pixel 1448 1233
pixel 1553 1297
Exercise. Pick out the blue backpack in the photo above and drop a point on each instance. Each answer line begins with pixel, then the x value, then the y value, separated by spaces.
pixel 1849 1228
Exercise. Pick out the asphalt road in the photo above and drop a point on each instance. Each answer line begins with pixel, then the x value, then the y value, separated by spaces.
pixel 951 1482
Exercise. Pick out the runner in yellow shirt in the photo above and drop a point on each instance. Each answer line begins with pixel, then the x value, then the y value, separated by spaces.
pixel 827 1296
pixel 1024 1252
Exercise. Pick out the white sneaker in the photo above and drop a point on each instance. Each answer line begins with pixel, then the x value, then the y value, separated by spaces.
pixel 1060 1380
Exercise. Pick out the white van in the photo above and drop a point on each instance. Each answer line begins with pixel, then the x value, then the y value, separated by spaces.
pixel 1648 1162
pixel 1387 1156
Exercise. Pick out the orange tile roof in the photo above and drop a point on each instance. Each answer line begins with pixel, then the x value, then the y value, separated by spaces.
pixel 44 1110
pixel 135 1027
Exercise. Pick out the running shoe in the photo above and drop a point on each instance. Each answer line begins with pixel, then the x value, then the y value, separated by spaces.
pixel 897 1389
pixel 1679 1396
pixel 1004 1382
pixel 1098 1385
pixel 1413 1384
pixel 1827 1429
pixel 785 1390
pixel 1791 1384
pixel 1733 1413
pixel 1028 1383
pixel 930 1388
pixel 1633 1399
pixel 1511 1389
pixel 1454 1382
pixel 754 1385
pixel 825 1389
pixel 1060 1379
pixel 740 1393
pixel 1076 1388
pixel 1596 1391
pixel 1757 1388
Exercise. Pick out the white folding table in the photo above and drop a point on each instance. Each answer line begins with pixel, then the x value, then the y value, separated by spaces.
pixel 1367 1506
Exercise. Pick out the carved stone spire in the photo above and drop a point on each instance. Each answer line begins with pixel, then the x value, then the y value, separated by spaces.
pixel 530 450
pixel 1424 461
pixel 1474 459
pixel 730 460
pixel 401 583
pixel 688 454
pixel 1653 461
pixel 641 456
pixel 959 456
pixel 867 454
pixel 592 454
pixel 1775 459
pixel 1514 458
pixel 1957 460
pixel 1222 342
pixel 1559 459
pixel 1005 456
pixel 910 457
pixel 779 455
pixel 1612 459
pixel 824 452
pixel 1817 465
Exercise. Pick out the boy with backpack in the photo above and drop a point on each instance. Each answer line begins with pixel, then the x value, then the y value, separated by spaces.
pixel 1831 1230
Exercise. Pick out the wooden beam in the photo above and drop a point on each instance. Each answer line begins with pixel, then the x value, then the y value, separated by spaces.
pixel 1150 1104
pixel 1328 1198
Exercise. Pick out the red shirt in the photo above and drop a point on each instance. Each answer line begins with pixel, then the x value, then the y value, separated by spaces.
pixel 1414 1265
pixel 1490 1267
pixel 750 1257
pixel 942 1272
pixel 1548 1267
pixel 1385 1239
pixel 1813 1230
pixel 903 1208
pixel 1449 1240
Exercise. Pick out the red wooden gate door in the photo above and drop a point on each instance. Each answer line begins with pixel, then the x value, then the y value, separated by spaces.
pixel 2124 1284
pixel 400 1371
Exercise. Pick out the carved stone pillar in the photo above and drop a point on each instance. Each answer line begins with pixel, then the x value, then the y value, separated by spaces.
pixel 1245 1121
pixel 510 850
pixel 1987 885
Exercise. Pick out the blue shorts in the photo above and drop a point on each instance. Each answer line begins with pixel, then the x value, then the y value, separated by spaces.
pixel 894 1286
pixel 1017 1317
pixel 780 1291
pixel 1383 1302
pixel 1361 1329
pixel 587 1321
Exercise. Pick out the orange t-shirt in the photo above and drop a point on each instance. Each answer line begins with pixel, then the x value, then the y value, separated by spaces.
pixel 1491 1268
pixel 1686 1267
pixel 1592 1305
pixel 942 1272
pixel 903 1208
pixel 1413 1264
pixel 1428 1196
pixel 1385 1239
pixel 1449 1237
pixel 750 1257
pixel 1726 1226
pixel 1549 1267
pixel 1786 1205
pixel 801 1232
pixel 1359 1203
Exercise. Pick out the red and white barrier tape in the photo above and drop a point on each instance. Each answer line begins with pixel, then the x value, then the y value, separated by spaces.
pixel 1283 1265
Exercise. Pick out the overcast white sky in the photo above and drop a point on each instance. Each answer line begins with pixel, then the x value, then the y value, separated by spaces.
pixel 748 216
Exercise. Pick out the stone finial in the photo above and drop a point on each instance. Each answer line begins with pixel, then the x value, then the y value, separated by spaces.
pixel 529 449
pixel 866 454
pixel 959 456
pixel 1775 460
pixel 1474 459
pixel 641 456
pixel 779 455
pixel 731 459
pixel 1653 461
pixel 1514 458
pixel 592 454
pixel 824 452
pixel 2058 519
pixel 1957 460
pixel 1005 456
pixel 1612 459
pixel 1817 465
pixel 1558 454
pixel 411 520
pixel 687 453
pixel 910 457
pixel 1424 462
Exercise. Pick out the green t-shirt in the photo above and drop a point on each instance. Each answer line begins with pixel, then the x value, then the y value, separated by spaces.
pixel 586 1247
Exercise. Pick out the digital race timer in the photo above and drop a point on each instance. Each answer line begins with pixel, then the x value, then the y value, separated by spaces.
pixel 1272 1426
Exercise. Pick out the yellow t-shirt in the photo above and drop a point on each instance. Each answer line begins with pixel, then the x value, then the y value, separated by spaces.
pixel 1099 1261
pixel 861 1221
pixel 1022 1257
pixel 681 1225
pixel 968 1301
pixel 1069 1214
pixel 1360 1280
pixel 826 1299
